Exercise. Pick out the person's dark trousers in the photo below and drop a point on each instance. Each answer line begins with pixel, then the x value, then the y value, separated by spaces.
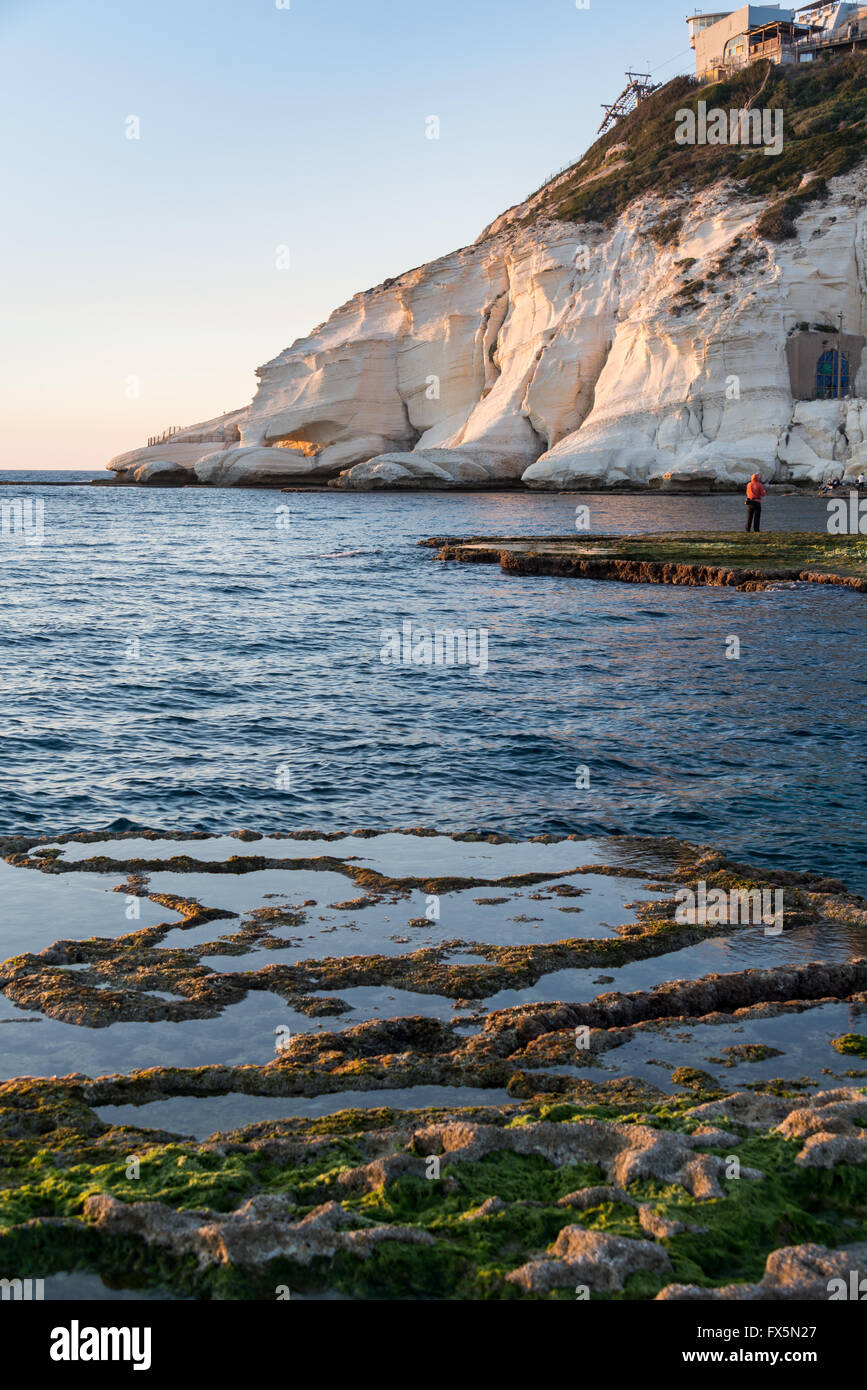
pixel 754 516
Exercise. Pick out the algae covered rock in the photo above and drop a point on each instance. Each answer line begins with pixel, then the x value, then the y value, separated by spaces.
pixel 795 1273
pixel 602 1262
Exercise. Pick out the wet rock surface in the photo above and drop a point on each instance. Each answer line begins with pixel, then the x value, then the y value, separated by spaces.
pixel 682 559
pixel 681 1186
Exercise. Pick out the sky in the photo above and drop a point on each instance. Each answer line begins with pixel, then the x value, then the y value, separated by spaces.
pixel 282 164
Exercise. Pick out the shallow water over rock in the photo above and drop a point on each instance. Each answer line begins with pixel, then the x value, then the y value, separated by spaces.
pixel 204 1116
pixel 274 1066
pixel 39 909
pixel 312 914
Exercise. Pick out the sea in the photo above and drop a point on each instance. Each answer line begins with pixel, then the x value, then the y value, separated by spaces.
pixel 214 660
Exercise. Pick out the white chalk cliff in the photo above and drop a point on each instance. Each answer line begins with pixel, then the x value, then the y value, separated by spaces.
pixel 567 356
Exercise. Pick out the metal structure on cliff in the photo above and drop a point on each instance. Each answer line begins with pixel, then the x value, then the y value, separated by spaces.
pixel 639 86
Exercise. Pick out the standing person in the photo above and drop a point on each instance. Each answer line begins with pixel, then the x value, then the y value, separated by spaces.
pixel 755 493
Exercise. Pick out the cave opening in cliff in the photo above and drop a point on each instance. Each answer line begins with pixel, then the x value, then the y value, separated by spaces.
pixel 308 439
pixel 302 446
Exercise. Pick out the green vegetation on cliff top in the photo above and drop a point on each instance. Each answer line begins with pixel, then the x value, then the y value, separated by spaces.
pixel 825 134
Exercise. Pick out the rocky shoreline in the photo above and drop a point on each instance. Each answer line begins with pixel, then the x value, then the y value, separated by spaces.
pixel 558 1164
pixel 665 559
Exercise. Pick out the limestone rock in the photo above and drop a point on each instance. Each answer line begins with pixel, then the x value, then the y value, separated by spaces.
pixel 514 358
pixel 602 1262
pixel 588 1197
pixel 149 465
pixel 252 467
pixel 653 1223
pixel 182 451
pixel 625 1151
pixel 756 1111
pixel 795 1273
pixel 710 1135
pixel 832 1127
pixel 260 1230
pixel 430 468
pixel 839 1115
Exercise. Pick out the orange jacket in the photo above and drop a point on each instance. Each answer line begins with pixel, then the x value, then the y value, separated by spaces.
pixel 755 491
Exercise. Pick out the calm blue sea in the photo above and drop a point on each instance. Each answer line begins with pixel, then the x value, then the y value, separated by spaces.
pixel 179 659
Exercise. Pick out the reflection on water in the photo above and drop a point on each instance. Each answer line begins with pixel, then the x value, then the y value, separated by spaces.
pixel 332 924
pixel 260 648
pixel 201 1116
pixel 801 1042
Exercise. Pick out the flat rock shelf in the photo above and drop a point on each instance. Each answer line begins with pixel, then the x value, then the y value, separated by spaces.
pixel 733 559
pixel 513 1068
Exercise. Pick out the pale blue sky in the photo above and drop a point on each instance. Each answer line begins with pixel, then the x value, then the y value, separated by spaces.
pixel 260 127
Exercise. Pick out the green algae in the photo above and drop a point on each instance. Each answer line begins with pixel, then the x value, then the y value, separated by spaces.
pixel 57 1153
pixel 705 557
pixel 471 1253
pixel 174 1175
pixel 850 1045
pixel 695 1080
pixel 787 1206
pixel 514 1178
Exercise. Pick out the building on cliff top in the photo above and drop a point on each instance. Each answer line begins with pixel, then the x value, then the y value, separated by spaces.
pixel 727 40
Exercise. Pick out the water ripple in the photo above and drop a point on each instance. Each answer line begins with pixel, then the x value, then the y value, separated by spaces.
pixel 177 659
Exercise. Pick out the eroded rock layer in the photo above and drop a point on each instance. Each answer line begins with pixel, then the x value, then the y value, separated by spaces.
pixel 637 322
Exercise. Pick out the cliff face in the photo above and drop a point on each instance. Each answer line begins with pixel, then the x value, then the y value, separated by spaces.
pixel 645 346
